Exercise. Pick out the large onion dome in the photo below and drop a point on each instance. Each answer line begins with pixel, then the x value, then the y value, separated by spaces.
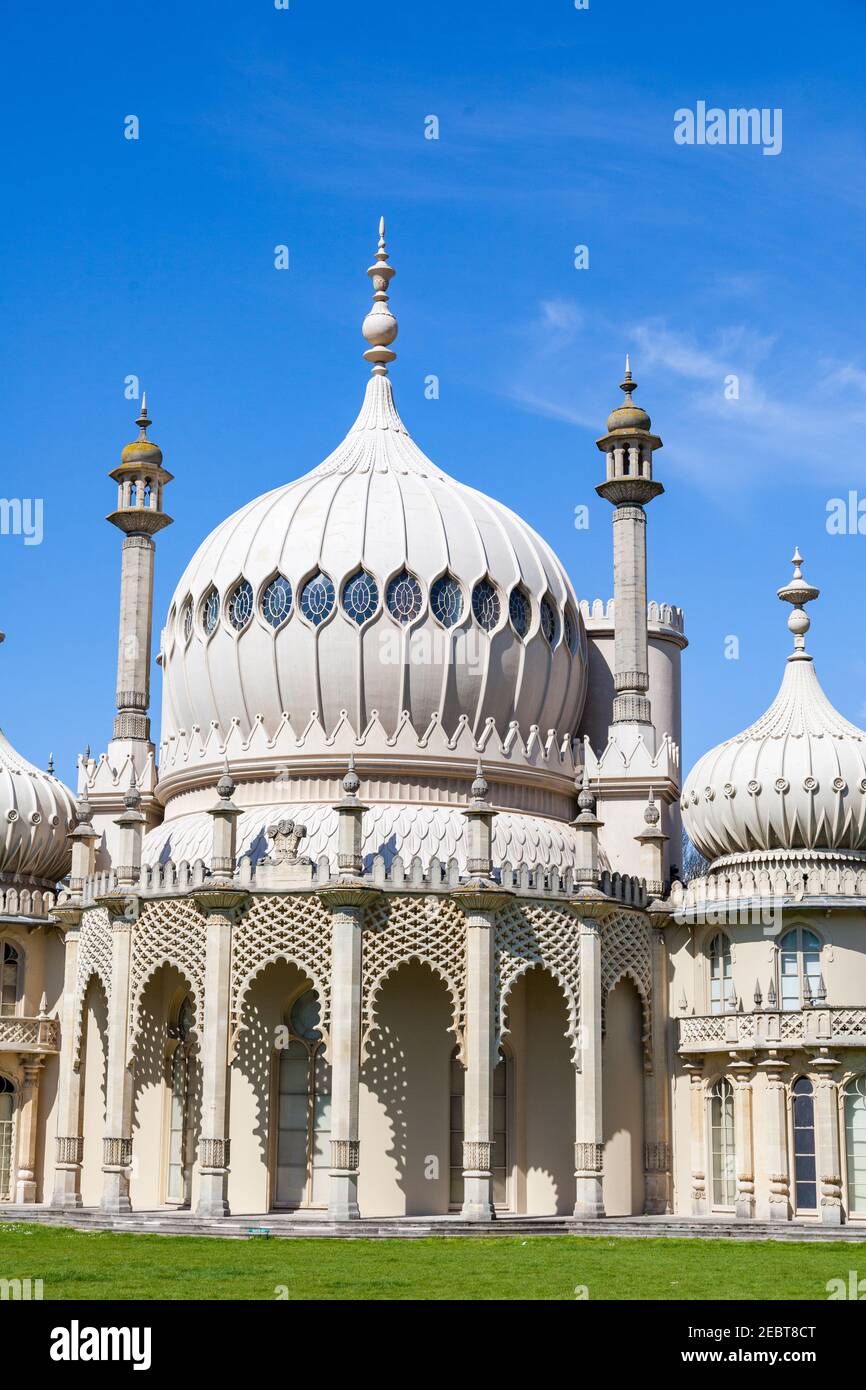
pixel 795 779
pixel 36 814
pixel 374 584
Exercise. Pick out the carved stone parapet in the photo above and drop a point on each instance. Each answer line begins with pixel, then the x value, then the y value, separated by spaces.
pixel 345 1155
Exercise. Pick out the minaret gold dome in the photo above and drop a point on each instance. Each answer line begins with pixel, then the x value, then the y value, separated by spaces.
pixel 142 450
pixel 629 416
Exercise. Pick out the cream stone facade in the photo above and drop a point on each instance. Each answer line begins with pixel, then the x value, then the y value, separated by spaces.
pixel 392 922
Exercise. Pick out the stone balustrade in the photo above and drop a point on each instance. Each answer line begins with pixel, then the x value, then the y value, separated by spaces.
pixel 776 1029
pixel 21 1034
pixel 814 879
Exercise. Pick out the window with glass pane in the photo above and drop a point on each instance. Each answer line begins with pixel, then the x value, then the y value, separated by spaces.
pixel 10 964
pixel 799 968
pixel 303 1156
pixel 803 1105
pixel 500 1134
pixel 179 1176
pixel 855 1143
pixel 458 1091
pixel 7 1105
pixel 722 1144
pixel 720 973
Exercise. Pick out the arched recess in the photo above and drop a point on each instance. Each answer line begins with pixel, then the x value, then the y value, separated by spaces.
pixel 542 1090
pixel 93 1058
pixel 623 1101
pixel 8 1107
pixel 254 1081
pixel 405 1095
pixel 160 999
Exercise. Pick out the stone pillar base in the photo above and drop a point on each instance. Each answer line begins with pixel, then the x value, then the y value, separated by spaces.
pixel 831 1214
pixel 25 1190
pixel 212 1201
pixel 477 1197
pixel 589 1200
pixel 656 1193
pixel 779 1209
pixel 343 1197
pixel 115 1193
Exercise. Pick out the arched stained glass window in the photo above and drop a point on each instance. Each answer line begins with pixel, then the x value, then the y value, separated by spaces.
pixel 241 605
pixel 569 631
pixel 446 600
pixel 720 973
pixel 10 978
pixel 485 605
pixel 317 598
pixel 549 622
pixel 361 597
pixel 855 1143
pixel 799 968
pixel 210 611
pixel 722 1148
pixel 187 620
pixel 404 598
pixel 276 601
pixel 803 1116
pixel 519 610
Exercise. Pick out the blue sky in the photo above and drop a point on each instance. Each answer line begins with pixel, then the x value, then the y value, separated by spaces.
pixel 261 126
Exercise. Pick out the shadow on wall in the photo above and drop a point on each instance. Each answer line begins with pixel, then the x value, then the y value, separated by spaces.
pixel 405 1098
pixel 541 1100
pixel 161 1001
pixel 93 1081
pixel 623 1102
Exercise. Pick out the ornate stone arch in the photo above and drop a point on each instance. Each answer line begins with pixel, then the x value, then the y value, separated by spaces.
pixel 538 934
pixel 168 932
pixel 626 952
pixel 94 959
pixel 294 929
pixel 425 928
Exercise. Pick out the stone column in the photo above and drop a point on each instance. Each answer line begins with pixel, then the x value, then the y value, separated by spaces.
pixel 223 906
pixel 657 1147
pixel 133 647
pixel 117 1143
pixel 589 1121
pixel 776 1133
pixel 70 1141
pixel 347 902
pixel 741 1073
pixel 827 1152
pixel 694 1068
pixel 25 1184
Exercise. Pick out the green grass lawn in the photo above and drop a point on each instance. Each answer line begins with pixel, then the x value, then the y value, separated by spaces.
pixel 104 1265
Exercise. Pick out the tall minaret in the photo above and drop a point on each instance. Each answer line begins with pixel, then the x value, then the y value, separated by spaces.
pixel 628 447
pixel 140 481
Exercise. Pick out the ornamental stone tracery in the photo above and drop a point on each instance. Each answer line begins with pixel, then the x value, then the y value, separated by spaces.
pixel 167 933
pixel 546 935
pixel 94 959
pixel 291 928
pixel 626 952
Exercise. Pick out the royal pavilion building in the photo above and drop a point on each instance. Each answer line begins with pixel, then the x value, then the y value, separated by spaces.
pixel 392 923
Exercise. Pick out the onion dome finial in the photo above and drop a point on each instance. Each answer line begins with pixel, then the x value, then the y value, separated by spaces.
pixel 651 812
pixel 798 593
pixel 226 784
pixel 132 799
pixel 628 416
pixel 380 325
pixel 142 449
pixel 480 786
pixel 351 781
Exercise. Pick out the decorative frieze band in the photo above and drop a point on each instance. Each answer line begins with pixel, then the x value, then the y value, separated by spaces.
pixel 345 1155
pixel 588 1158
pixel 70 1149
pixel 116 1153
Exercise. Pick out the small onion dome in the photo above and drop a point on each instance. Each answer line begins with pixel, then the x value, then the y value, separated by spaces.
pixel 36 814
pixel 142 450
pixel 795 779
pixel 628 417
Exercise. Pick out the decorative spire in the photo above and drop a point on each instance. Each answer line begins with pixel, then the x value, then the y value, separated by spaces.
pixel 480 786
pixel 798 593
pixel 226 785
pixel 380 325
pixel 50 768
pixel 351 781
pixel 142 420
pixel 651 813
pixel 627 384
pixel 132 799
pixel 759 998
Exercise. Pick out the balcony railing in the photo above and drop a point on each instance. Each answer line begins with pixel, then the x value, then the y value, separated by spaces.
pixel 19 1034
pixel 772 1029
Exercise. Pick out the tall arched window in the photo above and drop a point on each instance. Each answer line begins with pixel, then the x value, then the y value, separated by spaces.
pixel 720 973
pixel 303 1121
pixel 803 1115
pixel 500 1131
pixel 10 978
pixel 855 1143
pixel 799 968
pixel 179 1176
pixel 7 1108
pixel 724 1167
